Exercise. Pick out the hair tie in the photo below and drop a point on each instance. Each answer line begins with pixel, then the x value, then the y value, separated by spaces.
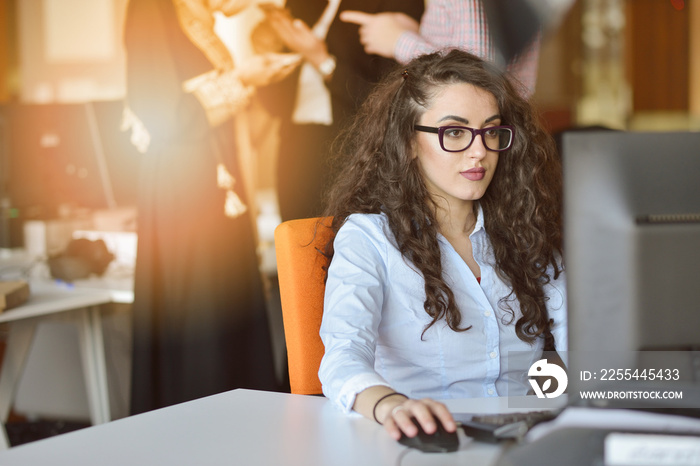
pixel 374 410
pixel 404 73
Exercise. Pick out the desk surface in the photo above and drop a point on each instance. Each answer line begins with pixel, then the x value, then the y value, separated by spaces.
pixel 46 297
pixel 248 427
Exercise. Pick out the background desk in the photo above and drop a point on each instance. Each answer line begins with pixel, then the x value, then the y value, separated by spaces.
pixel 80 306
pixel 248 427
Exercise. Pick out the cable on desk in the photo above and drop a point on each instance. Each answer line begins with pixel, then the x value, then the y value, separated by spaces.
pixel 404 452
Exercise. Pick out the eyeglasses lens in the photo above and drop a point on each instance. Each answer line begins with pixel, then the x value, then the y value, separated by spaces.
pixel 458 139
pixel 501 139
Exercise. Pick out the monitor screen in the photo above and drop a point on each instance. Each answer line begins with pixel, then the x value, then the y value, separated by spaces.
pixel 55 157
pixel 632 244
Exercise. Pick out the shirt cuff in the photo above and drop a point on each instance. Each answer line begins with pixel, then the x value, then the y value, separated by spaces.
pixel 406 46
pixel 357 384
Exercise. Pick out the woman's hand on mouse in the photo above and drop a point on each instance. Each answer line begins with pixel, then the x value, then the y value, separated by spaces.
pixel 395 410
pixel 397 414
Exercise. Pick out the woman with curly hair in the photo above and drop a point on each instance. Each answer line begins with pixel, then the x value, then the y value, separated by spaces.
pixel 446 249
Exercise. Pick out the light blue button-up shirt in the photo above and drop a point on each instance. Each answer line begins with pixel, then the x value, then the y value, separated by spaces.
pixel 374 317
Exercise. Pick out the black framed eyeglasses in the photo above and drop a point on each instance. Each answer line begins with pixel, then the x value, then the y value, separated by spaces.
pixel 459 138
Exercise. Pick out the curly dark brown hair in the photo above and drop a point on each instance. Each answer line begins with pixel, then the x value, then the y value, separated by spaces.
pixel 522 206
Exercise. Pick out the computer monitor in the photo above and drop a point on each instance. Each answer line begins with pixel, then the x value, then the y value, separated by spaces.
pixel 55 157
pixel 632 250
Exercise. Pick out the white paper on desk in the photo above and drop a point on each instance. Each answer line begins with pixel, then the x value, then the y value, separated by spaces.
pixel 616 419
pixel 651 450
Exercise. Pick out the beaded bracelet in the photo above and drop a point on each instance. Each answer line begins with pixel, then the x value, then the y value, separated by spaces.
pixel 374 410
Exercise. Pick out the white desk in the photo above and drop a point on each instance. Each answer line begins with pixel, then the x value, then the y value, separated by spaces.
pixel 247 427
pixel 49 300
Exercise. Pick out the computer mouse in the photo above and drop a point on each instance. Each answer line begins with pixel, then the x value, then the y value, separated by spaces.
pixel 439 442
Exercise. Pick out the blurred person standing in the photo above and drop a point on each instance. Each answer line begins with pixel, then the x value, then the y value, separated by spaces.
pixel 313 104
pixel 446 24
pixel 200 321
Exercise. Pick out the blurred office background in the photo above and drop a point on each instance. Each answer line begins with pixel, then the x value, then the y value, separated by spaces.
pixel 623 64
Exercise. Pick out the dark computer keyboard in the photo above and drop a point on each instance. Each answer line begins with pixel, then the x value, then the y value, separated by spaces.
pixel 529 417
pixel 503 426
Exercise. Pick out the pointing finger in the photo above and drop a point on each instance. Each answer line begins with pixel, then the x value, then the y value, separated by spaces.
pixel 355 17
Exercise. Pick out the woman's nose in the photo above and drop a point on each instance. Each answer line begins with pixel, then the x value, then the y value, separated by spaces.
pixel 477 149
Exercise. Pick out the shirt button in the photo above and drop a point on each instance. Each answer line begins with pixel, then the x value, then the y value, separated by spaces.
pixel 487 313
pixel 490 391
pixel 493 354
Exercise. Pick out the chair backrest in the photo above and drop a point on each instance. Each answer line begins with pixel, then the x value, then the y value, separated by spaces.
pixel 301 281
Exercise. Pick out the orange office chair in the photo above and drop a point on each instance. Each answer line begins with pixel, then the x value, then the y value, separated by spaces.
pixel 301 281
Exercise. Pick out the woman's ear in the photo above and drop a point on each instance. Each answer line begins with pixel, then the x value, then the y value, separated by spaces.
pixel 413 149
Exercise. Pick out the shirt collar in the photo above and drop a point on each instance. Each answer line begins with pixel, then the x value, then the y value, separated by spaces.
pixel 479 219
